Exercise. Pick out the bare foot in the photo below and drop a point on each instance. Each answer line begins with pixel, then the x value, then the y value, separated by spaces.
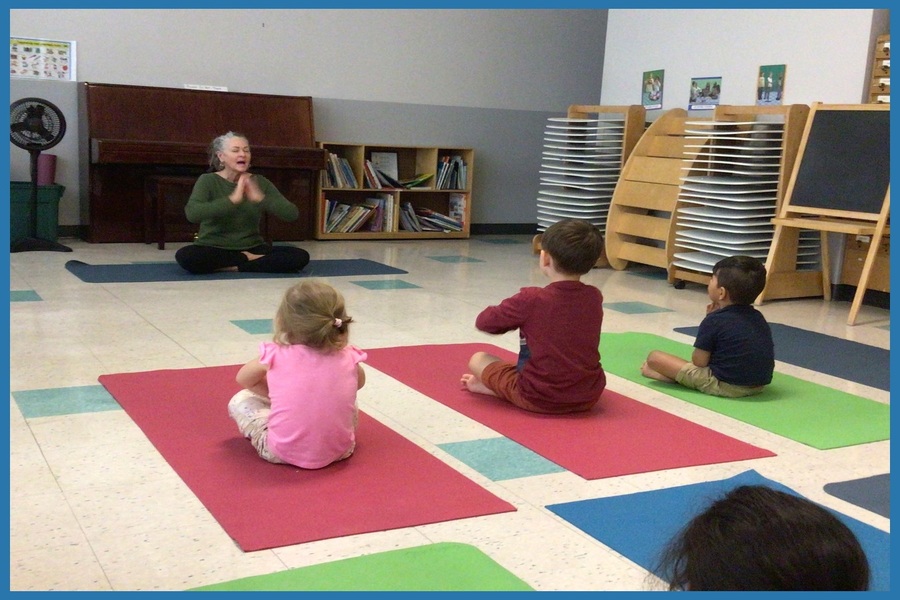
pixel 473 384
pixel 646 371
pixel 251 256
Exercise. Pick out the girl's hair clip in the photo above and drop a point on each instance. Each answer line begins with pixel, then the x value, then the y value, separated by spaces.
pixel 338 323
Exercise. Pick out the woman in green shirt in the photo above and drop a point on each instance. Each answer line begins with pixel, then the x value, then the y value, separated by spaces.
pixel 228 203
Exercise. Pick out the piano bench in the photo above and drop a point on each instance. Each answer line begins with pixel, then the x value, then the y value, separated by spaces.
pixel 158 190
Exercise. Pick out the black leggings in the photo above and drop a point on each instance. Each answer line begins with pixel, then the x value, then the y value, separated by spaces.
pixel 208 259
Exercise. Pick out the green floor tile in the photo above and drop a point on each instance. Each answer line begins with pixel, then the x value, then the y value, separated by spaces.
pixel 24 296
pixel 500 458
pixel 634 308
pixel 385 284
pixel 64 401
pixel 254 326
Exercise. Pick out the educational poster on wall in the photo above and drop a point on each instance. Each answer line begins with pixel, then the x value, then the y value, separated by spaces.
pixel 705 92
pixel 652 94
pixel 770 85
pixel 37 58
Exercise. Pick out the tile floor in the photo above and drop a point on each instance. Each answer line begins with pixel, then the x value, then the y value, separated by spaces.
pixel 95 507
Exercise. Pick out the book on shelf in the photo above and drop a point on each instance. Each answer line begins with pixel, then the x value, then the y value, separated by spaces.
pixel 390 208
pixel 436 220
pixel 372 179
pixel 451 173
pixel 356 216
pixel 417 181
pixel 337 213
pixel 458 207
pixel 340 174
pixel 387 180
pixel 381 219
pixel 408 219
pixel 386 162
pixel 349 177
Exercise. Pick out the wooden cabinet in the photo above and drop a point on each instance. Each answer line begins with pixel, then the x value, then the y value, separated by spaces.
pixel 437 196
pixel 880 89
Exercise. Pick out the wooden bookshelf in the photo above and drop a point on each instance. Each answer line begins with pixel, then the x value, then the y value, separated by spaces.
pixel 410 162
pixel 880 88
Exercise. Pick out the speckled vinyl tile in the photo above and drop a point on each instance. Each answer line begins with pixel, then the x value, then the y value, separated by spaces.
pixel 95 507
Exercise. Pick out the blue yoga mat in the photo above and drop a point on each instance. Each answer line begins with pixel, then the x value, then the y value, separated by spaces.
pixel 871 493
pixel 853 361
pixel 146 272
pixel 639 525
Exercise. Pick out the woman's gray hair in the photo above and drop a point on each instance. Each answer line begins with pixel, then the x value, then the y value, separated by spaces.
pixel 218 145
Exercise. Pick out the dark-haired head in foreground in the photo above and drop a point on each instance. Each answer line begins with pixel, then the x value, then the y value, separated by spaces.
pixel 757 538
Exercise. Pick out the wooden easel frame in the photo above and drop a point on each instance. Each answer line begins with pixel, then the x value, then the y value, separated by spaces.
pixel 784 280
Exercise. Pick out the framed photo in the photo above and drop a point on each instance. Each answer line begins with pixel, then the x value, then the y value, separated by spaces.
pixel 652 89
pixel 770 85
pixel 704 93
pixel 36 58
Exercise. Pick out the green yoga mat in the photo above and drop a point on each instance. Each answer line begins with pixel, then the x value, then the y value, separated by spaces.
pixel 799 410
pixel 447 566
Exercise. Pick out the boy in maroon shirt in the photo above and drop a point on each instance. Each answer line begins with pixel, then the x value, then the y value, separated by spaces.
pixel 559 329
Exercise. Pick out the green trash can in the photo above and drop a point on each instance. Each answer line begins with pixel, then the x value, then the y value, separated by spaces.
pixel 47 211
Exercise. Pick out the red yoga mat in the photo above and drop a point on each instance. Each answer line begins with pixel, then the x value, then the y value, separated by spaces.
pixel 388 483
pixel 619 436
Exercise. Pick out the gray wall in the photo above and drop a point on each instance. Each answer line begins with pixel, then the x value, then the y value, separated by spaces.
pixel 485 79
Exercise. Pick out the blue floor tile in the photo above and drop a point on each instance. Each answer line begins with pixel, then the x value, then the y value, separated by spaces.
pixel 65 401
pixel 254 326
pixel 634 308
pixel 455 259
pixel 24 296
pixel 385 284
pixel 500 458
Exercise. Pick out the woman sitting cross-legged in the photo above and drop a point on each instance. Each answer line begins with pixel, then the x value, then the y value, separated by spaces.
pixel 228 203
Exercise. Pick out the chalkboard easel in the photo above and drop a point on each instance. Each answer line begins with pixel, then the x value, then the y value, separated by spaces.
pixel 840 184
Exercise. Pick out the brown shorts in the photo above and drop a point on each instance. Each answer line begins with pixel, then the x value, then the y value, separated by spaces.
pixel 502 378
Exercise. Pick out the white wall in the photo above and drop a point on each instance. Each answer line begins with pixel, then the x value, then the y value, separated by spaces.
pixel 827 53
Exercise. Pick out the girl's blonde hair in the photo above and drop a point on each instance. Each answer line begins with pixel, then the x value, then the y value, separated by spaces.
pixel 312 313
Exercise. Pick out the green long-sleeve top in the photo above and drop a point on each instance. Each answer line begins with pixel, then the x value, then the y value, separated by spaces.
pixel 233 226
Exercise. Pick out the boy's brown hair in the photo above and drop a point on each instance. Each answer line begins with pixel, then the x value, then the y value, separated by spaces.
pixel 573 244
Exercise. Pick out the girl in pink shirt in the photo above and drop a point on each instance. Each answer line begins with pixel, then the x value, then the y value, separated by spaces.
pixel 299 402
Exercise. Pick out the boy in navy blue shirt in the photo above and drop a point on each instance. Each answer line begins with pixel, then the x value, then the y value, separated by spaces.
pixel 734 355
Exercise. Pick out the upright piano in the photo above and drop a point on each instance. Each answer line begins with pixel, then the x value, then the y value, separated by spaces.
pixel 133 134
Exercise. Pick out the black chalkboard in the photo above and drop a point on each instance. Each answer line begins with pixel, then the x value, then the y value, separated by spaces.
pixel 846 161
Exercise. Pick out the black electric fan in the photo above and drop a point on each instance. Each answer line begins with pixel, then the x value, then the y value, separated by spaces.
pixel 35 125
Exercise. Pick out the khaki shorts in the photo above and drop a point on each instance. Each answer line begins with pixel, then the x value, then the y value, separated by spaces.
pixel 702 379
pixel 503 379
